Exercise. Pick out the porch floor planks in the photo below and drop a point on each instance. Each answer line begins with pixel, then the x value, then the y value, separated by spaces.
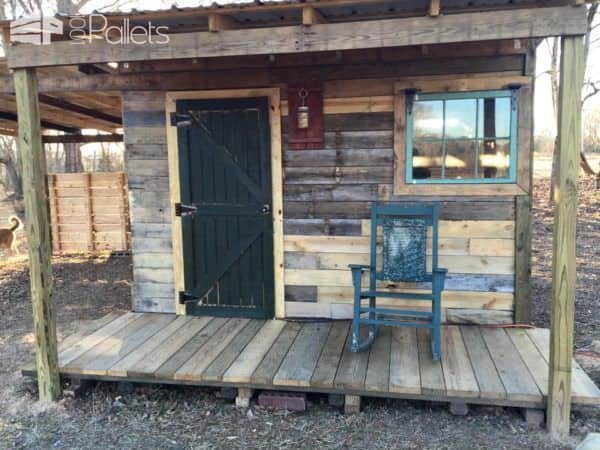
pixel 95 338
pixel 481 365
pixel 147 349
pixel 267 368
pixel 519 384
pixel 584 390
pixel 147 366
pixel 243 367
pixel 432 375
pixel 531 356
pixel 300 362
pixel 216 369
pixel 488 379
pixel 405 376
pixel 86 330
pixel 98 359
pixel 378 367
pixel 186 352
pixel 324 374
pixel 458 373
pixel 195 359
pixel 352 370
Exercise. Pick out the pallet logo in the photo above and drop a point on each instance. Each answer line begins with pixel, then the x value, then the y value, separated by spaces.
pixel 36 30
pixel 85 29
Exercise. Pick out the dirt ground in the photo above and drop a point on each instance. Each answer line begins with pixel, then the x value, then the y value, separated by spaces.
pixel 184 417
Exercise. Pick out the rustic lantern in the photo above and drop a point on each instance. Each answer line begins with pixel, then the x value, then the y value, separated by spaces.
pixel 305 106
pixel 302 110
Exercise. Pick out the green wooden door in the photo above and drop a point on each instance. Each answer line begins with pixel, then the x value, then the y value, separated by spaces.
pixel 225 170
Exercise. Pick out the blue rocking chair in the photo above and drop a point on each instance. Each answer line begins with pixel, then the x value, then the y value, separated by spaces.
pixel 404 250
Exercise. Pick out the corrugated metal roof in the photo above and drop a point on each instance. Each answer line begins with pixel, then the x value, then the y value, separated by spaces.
pixel 272 12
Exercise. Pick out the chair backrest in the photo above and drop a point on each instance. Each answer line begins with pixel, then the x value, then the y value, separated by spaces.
pixel 404 244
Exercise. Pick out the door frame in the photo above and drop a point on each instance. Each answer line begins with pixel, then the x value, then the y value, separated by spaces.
pixel 276 184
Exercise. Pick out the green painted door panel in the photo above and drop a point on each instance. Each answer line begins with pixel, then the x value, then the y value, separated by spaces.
pixel 225 170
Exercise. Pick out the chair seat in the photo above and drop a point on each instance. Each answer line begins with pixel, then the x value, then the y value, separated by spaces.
pixel 399 295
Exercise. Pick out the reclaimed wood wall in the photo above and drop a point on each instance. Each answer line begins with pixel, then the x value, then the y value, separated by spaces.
pixel 327 196
pixel 145 138
pixel 327 199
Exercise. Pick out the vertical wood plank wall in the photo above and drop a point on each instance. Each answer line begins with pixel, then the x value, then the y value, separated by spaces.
pixel 89 212
pixel 327 195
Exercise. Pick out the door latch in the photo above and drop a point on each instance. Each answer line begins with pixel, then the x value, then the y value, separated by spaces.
pixel 182 210
pixel 266 209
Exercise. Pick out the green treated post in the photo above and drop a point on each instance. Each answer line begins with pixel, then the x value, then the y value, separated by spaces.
pixel 38 232
pixel 565 220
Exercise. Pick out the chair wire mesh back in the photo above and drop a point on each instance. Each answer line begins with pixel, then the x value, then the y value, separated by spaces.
pixel 404 249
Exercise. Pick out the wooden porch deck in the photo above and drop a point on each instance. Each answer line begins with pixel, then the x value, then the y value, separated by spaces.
pixel 502 366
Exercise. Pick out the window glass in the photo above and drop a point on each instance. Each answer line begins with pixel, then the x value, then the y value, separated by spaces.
pixel 428 121
pixel 494 117
pixel 460 119
pixel 462 137
pixel 459 162
pixel 427 160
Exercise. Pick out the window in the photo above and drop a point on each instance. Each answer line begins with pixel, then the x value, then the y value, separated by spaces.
pixel 462 137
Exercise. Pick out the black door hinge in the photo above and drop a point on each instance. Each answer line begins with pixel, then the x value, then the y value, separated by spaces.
pixel 182 210
pixel 185 297
pixel 180 119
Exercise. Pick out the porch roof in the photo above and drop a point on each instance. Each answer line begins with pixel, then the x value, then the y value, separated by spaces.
pixel 301 27
pixel 67 112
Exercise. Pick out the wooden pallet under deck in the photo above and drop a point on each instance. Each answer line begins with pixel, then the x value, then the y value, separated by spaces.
pixel 502 366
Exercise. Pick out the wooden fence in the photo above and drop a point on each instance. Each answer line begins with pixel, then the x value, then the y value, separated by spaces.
pixel 89 212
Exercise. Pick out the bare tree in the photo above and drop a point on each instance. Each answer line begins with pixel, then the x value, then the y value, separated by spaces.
pixel 590 88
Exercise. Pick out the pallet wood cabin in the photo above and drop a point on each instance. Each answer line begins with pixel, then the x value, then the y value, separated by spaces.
pixel 407 101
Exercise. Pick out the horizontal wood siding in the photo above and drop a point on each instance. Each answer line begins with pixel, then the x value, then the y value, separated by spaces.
pixel 327 199
pixel 146 160
pixel 328 192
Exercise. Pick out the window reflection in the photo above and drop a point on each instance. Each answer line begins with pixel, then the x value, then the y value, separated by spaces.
pixel 461 138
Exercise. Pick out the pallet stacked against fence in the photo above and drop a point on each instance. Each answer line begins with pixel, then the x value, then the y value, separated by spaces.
pixel 89 212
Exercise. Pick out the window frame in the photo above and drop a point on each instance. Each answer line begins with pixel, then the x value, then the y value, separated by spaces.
pixel 513 94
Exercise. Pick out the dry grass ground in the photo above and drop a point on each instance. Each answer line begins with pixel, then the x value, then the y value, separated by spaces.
pixel 169 417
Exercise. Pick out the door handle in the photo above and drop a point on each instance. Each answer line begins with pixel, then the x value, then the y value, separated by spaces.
pixel 266 209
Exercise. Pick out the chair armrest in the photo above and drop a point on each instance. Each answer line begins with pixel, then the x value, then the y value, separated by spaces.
pixel 360 267
pixel 439 277
pixel 357 270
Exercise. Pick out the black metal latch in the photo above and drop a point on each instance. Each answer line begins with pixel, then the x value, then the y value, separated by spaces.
pixel 182 210
pixel 185 297
pixel 180 119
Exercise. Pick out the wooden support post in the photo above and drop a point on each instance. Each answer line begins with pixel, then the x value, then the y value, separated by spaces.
pixel 534 418
pixel 523 259
pixel 219 22
pixel 434 8
pixel 311 16
pixel 565 219
pixel 244 395
pixel 38 232
pixel 459 408
pixel 352 404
